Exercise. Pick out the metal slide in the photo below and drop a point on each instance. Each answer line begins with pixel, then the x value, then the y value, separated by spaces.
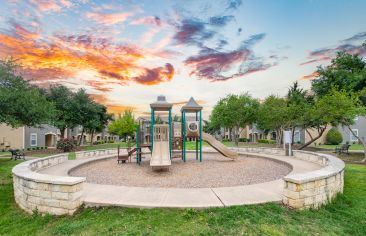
pixel 218 146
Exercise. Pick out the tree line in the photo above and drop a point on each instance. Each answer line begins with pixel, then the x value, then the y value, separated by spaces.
pixel 25 104
pixel 336 98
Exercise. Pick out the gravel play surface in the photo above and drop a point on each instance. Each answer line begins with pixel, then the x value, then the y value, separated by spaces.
pixel 214 171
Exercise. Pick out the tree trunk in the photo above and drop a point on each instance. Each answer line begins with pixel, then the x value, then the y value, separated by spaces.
pixel 81 141
pixel 320 133
pixel 92 137
pixel 236 131
pixel 292 135
pixel 62 131
pixel 278 137
pixel 361 141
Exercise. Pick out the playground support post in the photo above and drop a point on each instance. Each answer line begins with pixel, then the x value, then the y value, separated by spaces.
pixel 184 135
pixel 138 154
pixel 170 133
pixel 200 136
pixel 196 139
pixel 152 128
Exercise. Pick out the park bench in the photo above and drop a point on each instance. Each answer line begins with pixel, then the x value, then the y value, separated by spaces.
pixel 343 149
pixel 17 154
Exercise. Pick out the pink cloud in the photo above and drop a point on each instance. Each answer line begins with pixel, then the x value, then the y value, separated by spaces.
pixel 109 19
pixel 148 20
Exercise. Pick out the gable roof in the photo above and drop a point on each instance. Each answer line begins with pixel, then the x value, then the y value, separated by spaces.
pixel 191 105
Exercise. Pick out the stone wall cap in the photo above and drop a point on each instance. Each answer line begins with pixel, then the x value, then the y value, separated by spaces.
pixel 24 171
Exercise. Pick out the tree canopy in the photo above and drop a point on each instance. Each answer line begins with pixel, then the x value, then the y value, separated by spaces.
pixel 124 125
pixel 20 102
pixel 234 112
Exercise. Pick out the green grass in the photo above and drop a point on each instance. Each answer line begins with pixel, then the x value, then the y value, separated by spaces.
pixel 5 154
pixel 352 147
pixel 72 156
pixel 345 216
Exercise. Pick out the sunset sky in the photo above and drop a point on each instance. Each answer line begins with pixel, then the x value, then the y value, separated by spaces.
pixel 127 52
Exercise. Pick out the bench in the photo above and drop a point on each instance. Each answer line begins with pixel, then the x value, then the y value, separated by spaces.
pixel 17 154
pixel 343 149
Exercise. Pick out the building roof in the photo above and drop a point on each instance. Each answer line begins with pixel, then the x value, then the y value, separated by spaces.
pixel 161 104
pixel 191 105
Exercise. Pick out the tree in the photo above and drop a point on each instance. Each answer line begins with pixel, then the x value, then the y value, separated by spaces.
pixel 234 112
pixel 124 125
pixel 159 120
pixel 335 108
pixel 63 99
pixel 209 128
pixel 176 118
pixel 20 102
pixel 273 115
pixel 346 71
pixel 296 101
pixel 98 119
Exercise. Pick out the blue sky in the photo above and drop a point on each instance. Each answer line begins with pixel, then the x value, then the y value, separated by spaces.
pixel 127 52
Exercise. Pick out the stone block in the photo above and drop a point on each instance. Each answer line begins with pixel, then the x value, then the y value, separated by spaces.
pixel 290 186
pixel 34 200
pixel 45 194
pixel 291 194
pixel 51 202
pixel 43 186
pixel 299 187
pixel 70 205
pixel 320 182
pixel 60 195
pixel 75 196
pixel 309 201
pixel 296 203
pixel 307 193
pixel 309 185
pixel 330 180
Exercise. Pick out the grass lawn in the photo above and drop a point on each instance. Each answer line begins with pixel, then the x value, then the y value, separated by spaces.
pixel 5 154
pixel 345 216
pixel 352 147
pixel 72 156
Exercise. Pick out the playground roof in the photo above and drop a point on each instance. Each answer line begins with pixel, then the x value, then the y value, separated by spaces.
pixel 161 104
pixel 191 105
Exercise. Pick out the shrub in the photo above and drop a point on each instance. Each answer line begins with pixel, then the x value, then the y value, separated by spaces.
pixel 66 145
pixel 269 141
pixel 334 137
pixel 243 140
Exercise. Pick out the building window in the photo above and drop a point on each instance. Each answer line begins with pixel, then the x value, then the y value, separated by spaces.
pixel 352 137
pixel 33 139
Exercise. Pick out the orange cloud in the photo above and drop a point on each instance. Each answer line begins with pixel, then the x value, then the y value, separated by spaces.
pixel 310 76
pixel 62 57
pixel 118 109
pixel 108 19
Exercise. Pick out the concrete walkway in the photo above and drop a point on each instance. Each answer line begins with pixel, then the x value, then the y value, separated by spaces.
pixel 111 195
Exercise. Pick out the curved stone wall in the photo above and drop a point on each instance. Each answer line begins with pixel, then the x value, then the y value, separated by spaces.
pixel 312 189
pixel 315 188
pixel 57 195
pixel 60 195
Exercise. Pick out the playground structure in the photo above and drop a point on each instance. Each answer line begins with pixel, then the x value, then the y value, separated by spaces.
pixel 167 139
